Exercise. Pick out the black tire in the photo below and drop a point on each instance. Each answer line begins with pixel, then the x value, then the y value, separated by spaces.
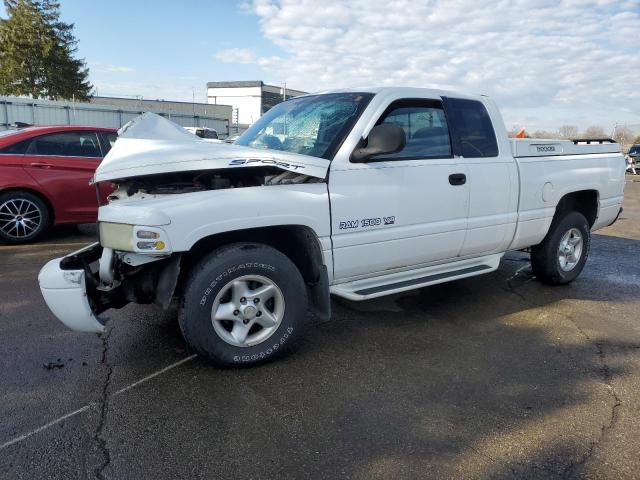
pixel 38 215
pixel 545 260
pixel 212 277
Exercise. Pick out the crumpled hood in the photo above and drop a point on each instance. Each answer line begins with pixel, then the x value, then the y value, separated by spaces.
pixel 151 144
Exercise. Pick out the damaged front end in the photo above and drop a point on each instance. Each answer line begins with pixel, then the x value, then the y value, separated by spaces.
pixel 79 287
pixel 203 180
pixel 152 145
pixel 165 201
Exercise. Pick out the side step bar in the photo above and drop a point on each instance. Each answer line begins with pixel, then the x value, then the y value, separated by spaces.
pixel 421 280
pixel 400 281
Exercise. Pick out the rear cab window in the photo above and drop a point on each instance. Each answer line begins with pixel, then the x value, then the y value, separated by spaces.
pixel 472 133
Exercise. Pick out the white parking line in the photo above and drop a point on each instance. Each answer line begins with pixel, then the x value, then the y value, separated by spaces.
pixel 44 427
pixel 24 436
pixel 153 375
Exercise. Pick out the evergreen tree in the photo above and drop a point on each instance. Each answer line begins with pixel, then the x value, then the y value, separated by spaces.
pixel 37 53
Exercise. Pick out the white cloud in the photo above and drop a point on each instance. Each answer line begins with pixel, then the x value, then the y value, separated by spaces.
pixel 546 62
pixel 109 68
pixel 236 55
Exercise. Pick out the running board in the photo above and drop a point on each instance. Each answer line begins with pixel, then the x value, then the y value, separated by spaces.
pixel 408 280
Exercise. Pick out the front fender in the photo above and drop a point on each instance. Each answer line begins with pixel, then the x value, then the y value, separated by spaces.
pixel 190 217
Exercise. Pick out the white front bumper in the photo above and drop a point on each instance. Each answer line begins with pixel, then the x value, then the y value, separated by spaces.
pixel 65 293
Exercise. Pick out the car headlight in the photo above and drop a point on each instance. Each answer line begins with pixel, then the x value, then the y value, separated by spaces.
pixel 134 238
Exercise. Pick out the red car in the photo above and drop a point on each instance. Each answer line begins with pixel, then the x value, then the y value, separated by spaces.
pixel 44 178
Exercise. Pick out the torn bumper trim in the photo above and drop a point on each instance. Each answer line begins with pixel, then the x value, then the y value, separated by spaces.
pixel 65 294
pixel 617 216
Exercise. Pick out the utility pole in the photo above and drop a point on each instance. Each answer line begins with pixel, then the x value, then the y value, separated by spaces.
pixel 193 104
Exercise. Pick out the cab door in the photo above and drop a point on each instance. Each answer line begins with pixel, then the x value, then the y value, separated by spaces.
pixel 63 164
pixel 492 175
pixel 404 210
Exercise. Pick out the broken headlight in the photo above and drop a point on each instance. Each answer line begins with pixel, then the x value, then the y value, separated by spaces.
pixel 134 238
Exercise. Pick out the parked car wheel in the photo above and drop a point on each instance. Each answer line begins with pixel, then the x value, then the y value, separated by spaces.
pixel 23 217
pixel 244 304
pixel 561 256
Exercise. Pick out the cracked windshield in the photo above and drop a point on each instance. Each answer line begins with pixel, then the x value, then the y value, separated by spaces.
pixel 314 125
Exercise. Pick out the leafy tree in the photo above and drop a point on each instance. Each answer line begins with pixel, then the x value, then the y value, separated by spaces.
pixel 637 140
pixel 37 53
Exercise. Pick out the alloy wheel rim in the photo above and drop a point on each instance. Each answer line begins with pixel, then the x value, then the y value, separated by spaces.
pixel 570 249
pixel 19 218
pixel 247 310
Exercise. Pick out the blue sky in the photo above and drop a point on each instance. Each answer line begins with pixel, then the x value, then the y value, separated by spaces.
pixel 162 49
pixel 164 43
pixel 547 63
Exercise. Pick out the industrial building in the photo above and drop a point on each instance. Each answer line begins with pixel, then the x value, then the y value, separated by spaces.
pixel 230 109
pixel 168 107
pixel 111 112
pixel 249 99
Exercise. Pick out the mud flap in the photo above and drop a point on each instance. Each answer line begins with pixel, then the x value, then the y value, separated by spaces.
pixel 167 281
pixel 319 298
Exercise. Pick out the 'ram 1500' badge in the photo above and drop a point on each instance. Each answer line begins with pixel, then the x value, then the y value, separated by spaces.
pixel 367 222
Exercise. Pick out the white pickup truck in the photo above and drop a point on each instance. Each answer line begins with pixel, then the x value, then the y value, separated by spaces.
pixel 355 193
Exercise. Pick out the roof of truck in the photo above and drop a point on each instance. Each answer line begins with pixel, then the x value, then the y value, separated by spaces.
pixel 404 91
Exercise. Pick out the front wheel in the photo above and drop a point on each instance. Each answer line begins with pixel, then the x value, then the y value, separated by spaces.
pixel 561 256
pixel 244 304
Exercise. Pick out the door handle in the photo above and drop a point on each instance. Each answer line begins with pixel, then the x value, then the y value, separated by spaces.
pixel 457 179
pixel 41 165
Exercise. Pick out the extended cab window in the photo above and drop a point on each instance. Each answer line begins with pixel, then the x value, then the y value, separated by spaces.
pixel 66 144
pixel 425 128
pixel 472 133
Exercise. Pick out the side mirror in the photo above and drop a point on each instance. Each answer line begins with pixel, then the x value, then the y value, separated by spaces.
pixel 382 139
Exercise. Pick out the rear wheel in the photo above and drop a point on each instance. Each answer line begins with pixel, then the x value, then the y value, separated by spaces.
pixel 561 256
pixel 23 217
pixel 244 304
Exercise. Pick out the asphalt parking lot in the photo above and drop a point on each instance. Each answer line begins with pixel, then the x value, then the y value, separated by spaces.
pixel 490 377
